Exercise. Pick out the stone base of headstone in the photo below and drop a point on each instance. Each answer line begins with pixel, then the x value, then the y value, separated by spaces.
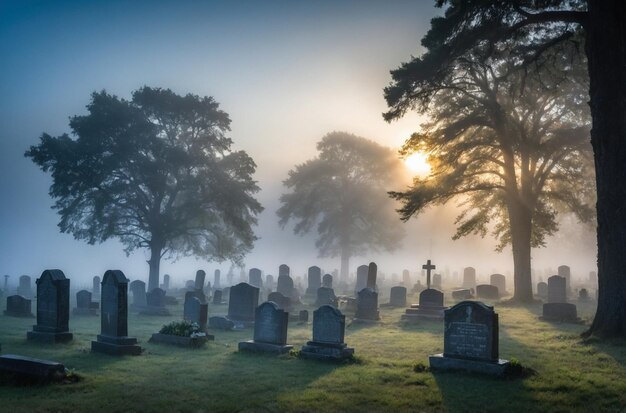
pixel 192 342
pixel 564 312
pixel 153 310
pixel 221 323
pixel 44 370
pixel 84 311
pixel 257 347
pixel 169 300
pixel 326 351
pixel 417 312
pixel 17 314
pixel 117 346
pixel 49 337
pixel 440 362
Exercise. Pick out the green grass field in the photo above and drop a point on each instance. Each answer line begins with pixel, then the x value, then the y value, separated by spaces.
pixel 571 375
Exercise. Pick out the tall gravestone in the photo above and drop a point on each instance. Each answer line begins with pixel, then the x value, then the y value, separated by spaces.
pixel 53 309
pixel 113 337
pixel 470 340
pixel 195 311
pixel 242 303
pixel 95 290
pixel 199 280
pixel 138 290
pixel 217 275
pixel 166 282
pixel 437 281
pixel 327 281
pixel 255 277
pixel 18 306
pixel 270 330
pixel 498 280
pixel 367 305
pixel 269 281
pixel 469 277
pixel 329 326
pixel 24 287
pixel 557 288
pixel 406 278
pixel 372 271
pixel 361 278
pixel 285 282
pixel 397 296
pixel 314 278
pixel 557 308
pixel 84 305
pixel 565 272
pixel 326 296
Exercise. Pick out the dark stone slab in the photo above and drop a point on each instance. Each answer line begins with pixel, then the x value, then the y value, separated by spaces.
pixel 138 291
pixel 440 362
pixel 471 332
pixel 372 272
pixel 542 290
pixel 557 289
pixel 303 316
pixel 564 312
pixel 199 280
pixel 498 280
pixel 195 311
pixel 285 282
pixel 243 301
pixel 361 278
pixel 255 277
pixel 84 304
pixel 487 291
pixel 314 278
pixel 271 324
pixel 469 277
pixel 220 323
pixel 397 296
pixel 217 298
pixel 18 306
pixel 367 305
pixel 326 296
pixel 329 326
pixel 53 309
pixel 44 370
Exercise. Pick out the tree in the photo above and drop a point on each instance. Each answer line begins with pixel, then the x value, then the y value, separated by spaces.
pixel 514 156
pixel 533 28
pixel 155 172
pixel 343 192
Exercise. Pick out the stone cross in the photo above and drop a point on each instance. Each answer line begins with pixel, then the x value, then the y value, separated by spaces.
pixel 428 267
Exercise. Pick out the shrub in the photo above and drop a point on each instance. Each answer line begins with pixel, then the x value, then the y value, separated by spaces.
pixel 182 328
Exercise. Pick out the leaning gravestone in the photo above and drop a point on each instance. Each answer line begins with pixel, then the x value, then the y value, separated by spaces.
pixel 361 278
pixel 196 311
pixel 470 340
pixel 113 337
pixel 326 296
pixel 138 290
pixel 243 301
pixel 327 281
pixel 469 277
pixel 430 307
pixel 53 309
pixel 314 278
pixel 329 327
pixel 83 304
pixel 367 305
pixel 557 308
pixel 18 306
pixel 255 278
pixel 487 291
pixel 40 370
pixel 24 288
pixel 397 297
pixel 199 280
pixel 270 330
pixel 499 281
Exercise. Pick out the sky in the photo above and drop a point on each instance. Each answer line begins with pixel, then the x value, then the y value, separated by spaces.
pixel 287 73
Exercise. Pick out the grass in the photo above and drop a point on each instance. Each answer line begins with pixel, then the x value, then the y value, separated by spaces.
pixel 571 375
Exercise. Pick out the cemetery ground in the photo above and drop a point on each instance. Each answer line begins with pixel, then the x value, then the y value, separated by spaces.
pixel 388 375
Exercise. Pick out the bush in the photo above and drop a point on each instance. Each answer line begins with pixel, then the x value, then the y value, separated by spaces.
pixel 182 328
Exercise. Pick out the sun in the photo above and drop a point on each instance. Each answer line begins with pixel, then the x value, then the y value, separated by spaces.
pixel 418 164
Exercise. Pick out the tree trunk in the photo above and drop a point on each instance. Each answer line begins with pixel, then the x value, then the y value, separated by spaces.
pixel 154 262
pixel 520 221
pixel 345 264
pixel 606 54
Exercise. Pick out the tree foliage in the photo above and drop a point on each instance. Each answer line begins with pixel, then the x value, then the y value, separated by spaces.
pixel 155 172
pixel 342 192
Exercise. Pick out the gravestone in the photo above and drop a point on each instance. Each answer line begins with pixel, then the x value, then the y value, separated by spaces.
pixel 487 291
pixel 498 280
pixel 198 283
pixel 326 296
pixel 216 279
pixel 327 281
pixel 280 300
pixel 196 311
pixel 361 278
pixel 542 290
pixel 469 277
pixel 463 294
pixel 437 281
pixel 583 295
pixel 217 298
pixel 190 285
pixel 166 282
pixel 285 282
pixel 329 326
pixel 397 297
pixel 53 309
pixel 303 316
pixel 42 371
pixel 565 272
pixel 95 290
pixel 557 287
pixel 270 330
pixel 406 278
pixel 430 307
pixel 226 294
pixel 255 278
pixel 155 303
pixel 83 304
pixel 18 306
pixel 113 337
pixel 24 287
pixel 372 271
pixel 220 323
pixel 557 308
pixel 314 278
pixel 367 305
pixel 138 290
pixel 269 281
pixel 283 269
pixel 242 303
pixel 470 340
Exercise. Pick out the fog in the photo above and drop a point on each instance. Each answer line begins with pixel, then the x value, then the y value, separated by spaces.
pixel 286 76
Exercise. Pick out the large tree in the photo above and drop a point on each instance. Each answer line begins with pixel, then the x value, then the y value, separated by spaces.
pixel 513 155
pixel 535 27
pixel 155 172
pixel 343 192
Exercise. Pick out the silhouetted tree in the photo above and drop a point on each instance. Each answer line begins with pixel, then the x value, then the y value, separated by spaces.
pixel 155 172
pixel 343 192
pixel 533 28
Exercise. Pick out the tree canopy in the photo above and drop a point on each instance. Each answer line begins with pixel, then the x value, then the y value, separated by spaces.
pixel 343 193
pixel 155 172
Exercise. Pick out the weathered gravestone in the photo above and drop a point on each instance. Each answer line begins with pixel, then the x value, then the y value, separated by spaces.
pixel 198 283
pixel 326 296
pixel 155 303
pixel 138 290
pixel 217 298
pixel 372 271
pixel 190 285
pixel 255 278
pixel 327 281
pixel 367 305
pixel 557 289
pixel 430 307
pixel 487 291
pixel 437 281
pixel 406 278
pixel 470 340
pixel 565 272
pixel 95 290
pixel 498 280
pixel 463 294
pixel 469 277
pixel 285 282
pixel 397 296
pixel 280 300
pixel 270 330
pixel 113 337
pixel 84 304
pixel 24 287
pixel 53 309
pixel 18 306
pixel 166 282
pixel 557 308
pixel 303 316
pixel 196 311
pixel 269 281
pixel 361 278
pixel 40 370
pixel 243 301
pixel 542 290
pixel 216 279
pixel 329 327
pixel 314 278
